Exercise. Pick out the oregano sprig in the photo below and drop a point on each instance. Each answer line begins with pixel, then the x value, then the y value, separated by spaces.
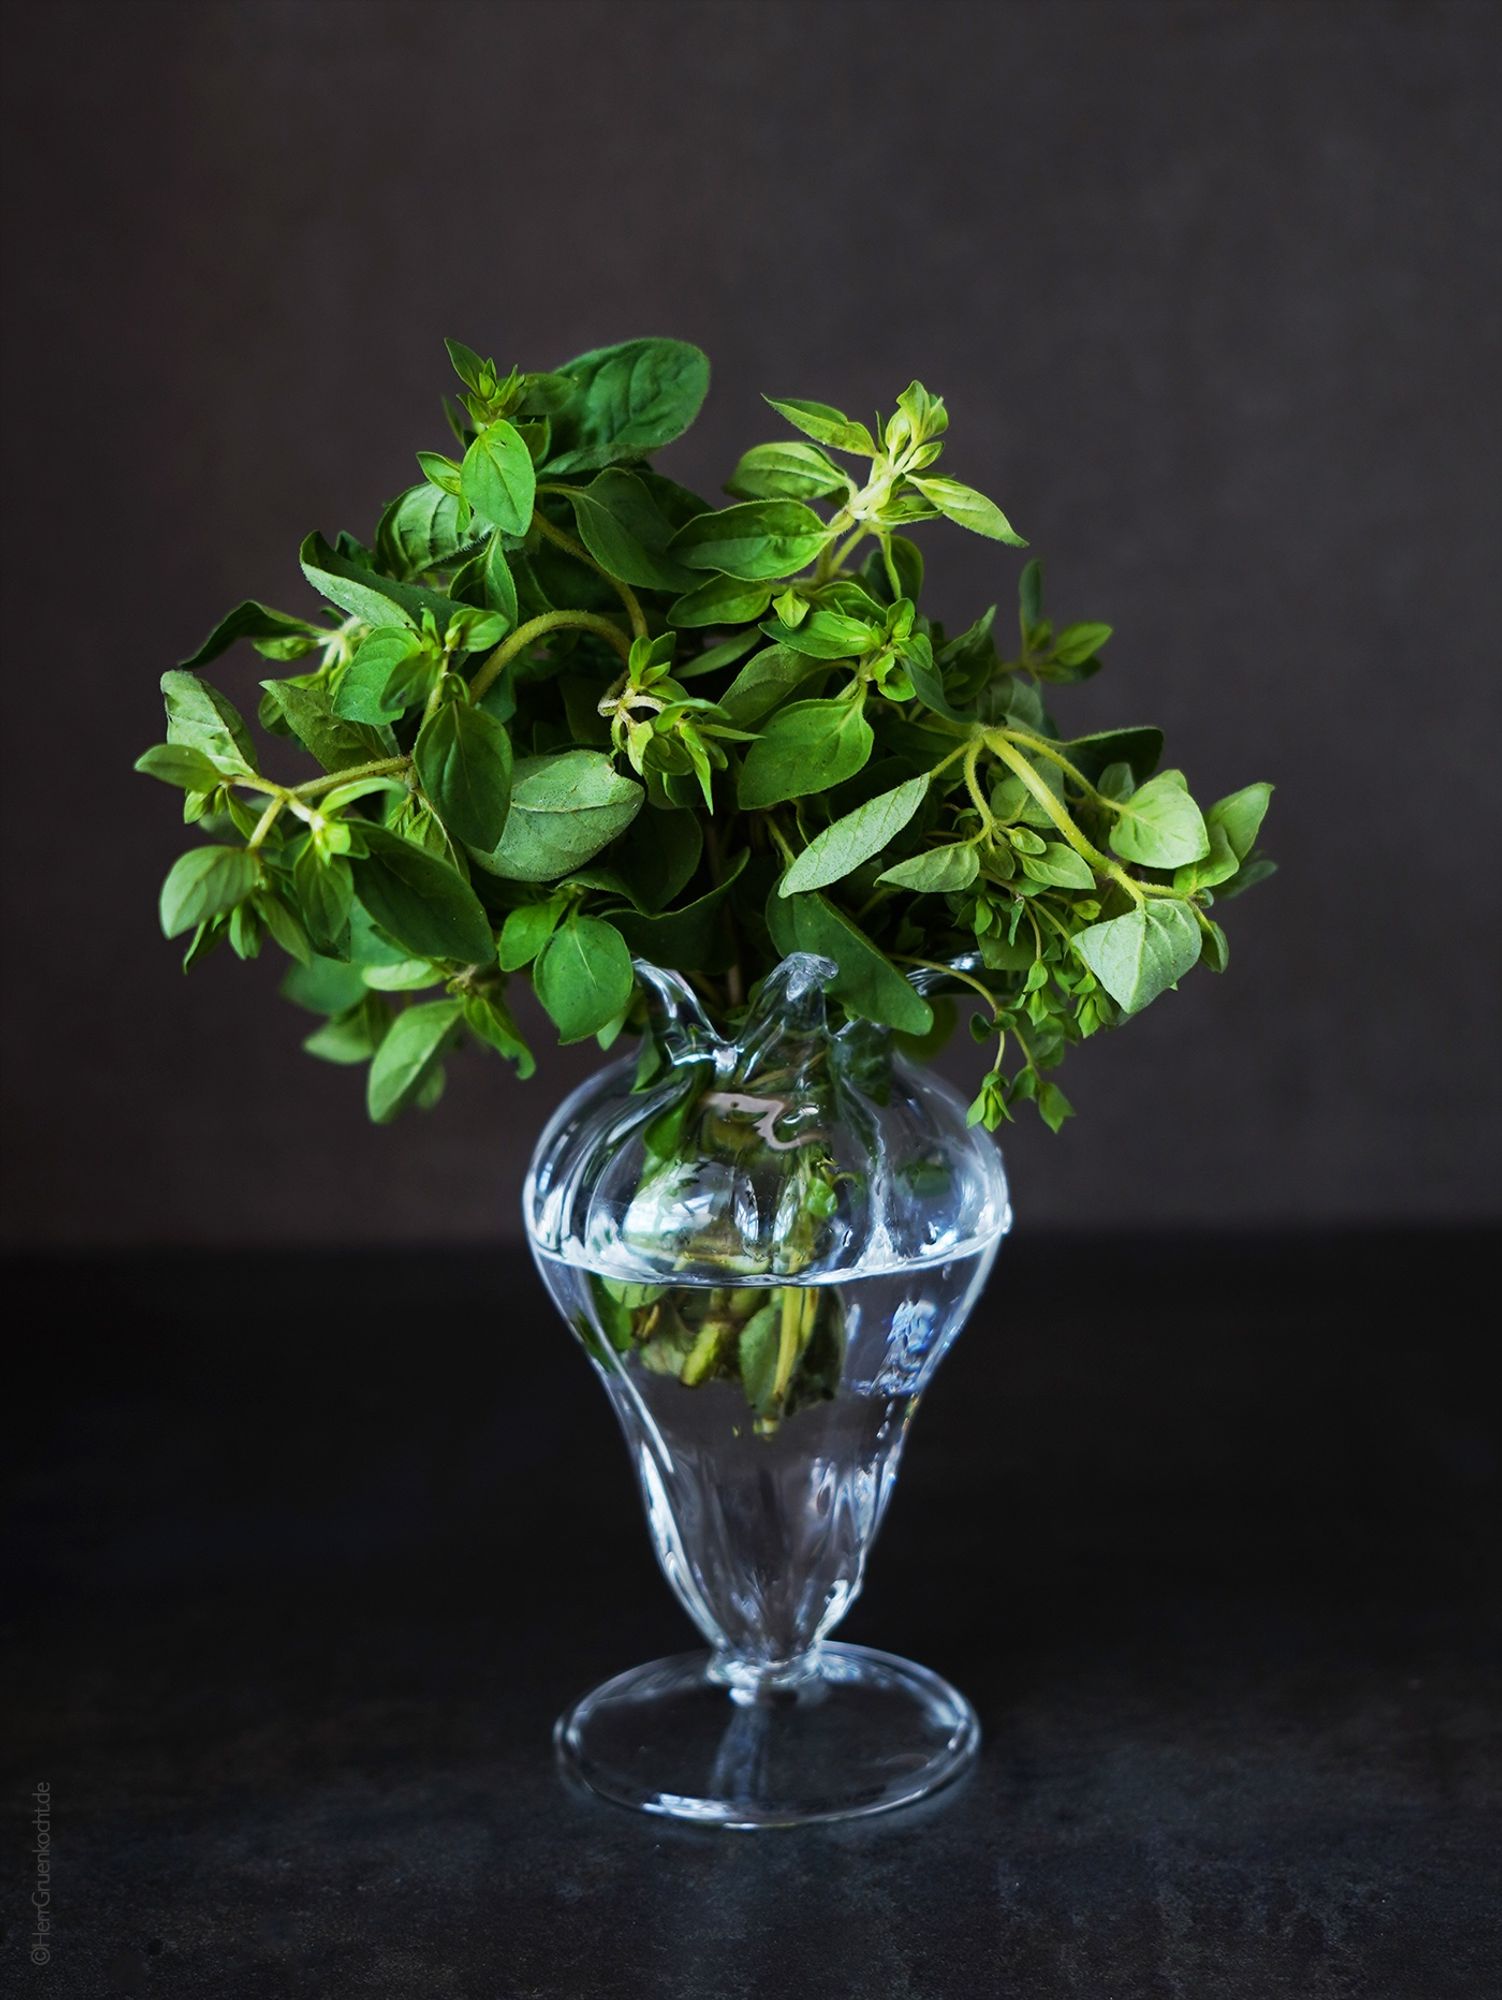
pixel 567 714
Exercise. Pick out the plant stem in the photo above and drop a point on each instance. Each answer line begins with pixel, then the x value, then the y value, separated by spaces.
pixel 383 767
pixel 537 628
pixel 998 742
pixel 623 591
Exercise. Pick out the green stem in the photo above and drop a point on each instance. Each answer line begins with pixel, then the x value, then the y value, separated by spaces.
pixel 383 767
pixel 537 628
pixel 267 821
pixel 1070 771
pixel 952 972
pixel 998 742
pixel 623 591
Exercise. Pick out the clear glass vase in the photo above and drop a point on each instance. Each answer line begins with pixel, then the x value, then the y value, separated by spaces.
pixel 765 1243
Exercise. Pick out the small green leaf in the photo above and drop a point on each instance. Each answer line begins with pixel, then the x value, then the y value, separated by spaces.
pixel 583 977
pixel 1058 867
pixel 425 529
pixel 866 981
pixel 487 1018
pixel 1240 816
pixel 806 747
pixel 410 1052
pixel 825 635
pixel 968 508
pixel 825 425
pixel 375 688
pixel 325 890
pixel 364 593
pixel 626 401
pixel 766 679
pixel 336 742
pixel 1140 955
pixel 497 478
pixel 463 759
pixel 203 883
pixel 254 621
pixel 841 848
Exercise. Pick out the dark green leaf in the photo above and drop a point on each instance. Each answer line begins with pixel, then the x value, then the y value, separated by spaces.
pixel 825 635
pixel 626 401
pixel 352 1036
pixel 425 529
pixel 867 983
pixel 564 809
pixel 1140 747
pixel 724 600
pixel 420 901
pixel 387 674
pixel 463 759
pixel 526 930
pixel 627 534
pixel 583 977
pixel 252 621
pixel 336 742
pixel 500 585
pixel 363 594
pixel 685 939
pixel 325 890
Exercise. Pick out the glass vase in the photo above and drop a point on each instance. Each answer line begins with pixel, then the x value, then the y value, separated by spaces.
pixel 765 1241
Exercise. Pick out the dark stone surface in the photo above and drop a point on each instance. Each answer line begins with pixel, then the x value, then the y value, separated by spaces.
pixel 306 1553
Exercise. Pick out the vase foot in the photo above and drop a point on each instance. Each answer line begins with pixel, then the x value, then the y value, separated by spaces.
pixel 863 1733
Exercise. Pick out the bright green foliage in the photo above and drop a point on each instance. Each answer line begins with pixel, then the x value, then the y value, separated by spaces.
pixel 565 713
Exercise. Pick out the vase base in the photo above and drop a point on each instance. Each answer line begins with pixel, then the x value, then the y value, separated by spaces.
pixel 864 1732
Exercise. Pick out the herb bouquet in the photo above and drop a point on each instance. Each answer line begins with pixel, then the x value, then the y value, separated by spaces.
pixel 715 777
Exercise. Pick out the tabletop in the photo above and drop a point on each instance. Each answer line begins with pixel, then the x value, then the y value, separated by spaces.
pixel 306 1551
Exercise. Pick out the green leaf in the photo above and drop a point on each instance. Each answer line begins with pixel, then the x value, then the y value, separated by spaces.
pixel 765 680
pixel 1160 826
pixel 325 891
pixel 1030 596
pixel 526 930
pixel 327 986
pixel 787 470
pixel 181 765
pixel 825 635
pixel 410 1052
pixel 583 977
pixel 467 365
pixel 825 425
pixel 627 401
pixel 1078 643
pixel 336 742
pixel 463 759
pixel 1240 817
pixel 1140 955
pixel 199 716
pixel 656 858
pixel 497 478
pixel 841 848
pixel 806 747
pixel 252 621
pixel 685 939
pixel 1058 867
pixel 866 982
pixel 425 529
pixel 203 883
pixel 724 600
pixel 1140 748
pixel 352 1036
pixel 375 688
pixel 500 584
pixel 426 906
pixel 361 592
pixel 970 509
pixel 487 1018
pixel 756 540
pixel 939 871
pixel 564 809
pixel 627 533
pixel 928 685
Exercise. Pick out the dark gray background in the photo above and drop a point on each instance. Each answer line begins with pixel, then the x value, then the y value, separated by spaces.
pixel 1210 289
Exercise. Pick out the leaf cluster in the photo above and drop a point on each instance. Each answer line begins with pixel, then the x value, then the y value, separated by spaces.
pixel 563 714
